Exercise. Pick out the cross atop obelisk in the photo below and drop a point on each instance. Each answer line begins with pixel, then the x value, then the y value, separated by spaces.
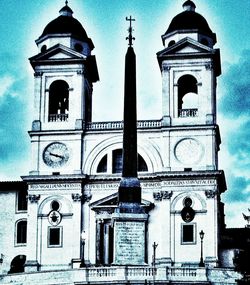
pixel 130 38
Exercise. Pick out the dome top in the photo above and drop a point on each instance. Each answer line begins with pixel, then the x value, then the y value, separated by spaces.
pixel 189 6
pixel 189 20
pixel 65 24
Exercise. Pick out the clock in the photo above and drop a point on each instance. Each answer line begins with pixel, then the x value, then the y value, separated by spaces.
pixel 188 151
pixel 56 154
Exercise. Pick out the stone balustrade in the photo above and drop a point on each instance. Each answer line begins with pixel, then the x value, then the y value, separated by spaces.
pixel 58 117
pixel 184 113
pixel 118 125
pixel 123 275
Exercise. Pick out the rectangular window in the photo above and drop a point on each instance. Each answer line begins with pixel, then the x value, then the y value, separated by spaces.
pixel 55 237
pixel 22 201
pixel 188 235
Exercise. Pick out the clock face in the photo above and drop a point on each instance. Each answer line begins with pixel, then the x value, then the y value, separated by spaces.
pixel 56 154
pixel 188 151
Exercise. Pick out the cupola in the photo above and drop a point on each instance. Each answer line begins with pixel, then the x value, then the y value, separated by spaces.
pixel 191 24
pixel 65 30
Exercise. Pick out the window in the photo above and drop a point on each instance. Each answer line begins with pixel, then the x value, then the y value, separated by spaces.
pixel 142 166
pixel 58 101
pixel 22 200
pixel 117 163
pixel 188 234
pixel 55 237
pixel 21 232
pixel 102 166
pixel 187 96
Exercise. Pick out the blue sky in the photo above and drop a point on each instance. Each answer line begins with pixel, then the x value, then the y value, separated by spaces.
pixel 104 20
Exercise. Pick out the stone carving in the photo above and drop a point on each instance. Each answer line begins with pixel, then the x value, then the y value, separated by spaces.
pixel 210 193
pixel 162 195
pixel 76 197
pixel 86 197
pixel 34 198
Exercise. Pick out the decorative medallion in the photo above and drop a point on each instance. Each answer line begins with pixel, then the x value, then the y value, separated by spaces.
pixel 54 218
pixel 188 151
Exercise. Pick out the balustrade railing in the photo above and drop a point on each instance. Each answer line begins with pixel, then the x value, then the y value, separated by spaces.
pixel 58 117
pixel 184 113
pixel 145 273
pixel 117 125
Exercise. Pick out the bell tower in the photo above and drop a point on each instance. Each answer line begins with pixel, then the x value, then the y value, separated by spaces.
pixel 190 65
pixel 64 72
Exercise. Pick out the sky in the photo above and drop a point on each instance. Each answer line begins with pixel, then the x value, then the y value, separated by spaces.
pixel 104 21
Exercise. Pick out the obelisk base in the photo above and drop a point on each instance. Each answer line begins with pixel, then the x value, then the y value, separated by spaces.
pixel 129 238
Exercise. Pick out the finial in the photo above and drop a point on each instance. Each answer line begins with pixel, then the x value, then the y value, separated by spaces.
pixel 189 5
pixel 130 38
pixel 66 2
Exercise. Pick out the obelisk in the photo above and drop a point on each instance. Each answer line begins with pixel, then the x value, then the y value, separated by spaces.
pixel 129 218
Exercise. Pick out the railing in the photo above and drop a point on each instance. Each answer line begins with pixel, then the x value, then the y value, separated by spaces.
pixel 125 275
pixel 184 113
pixel 145 273
pixel 118 125
pixel 58 117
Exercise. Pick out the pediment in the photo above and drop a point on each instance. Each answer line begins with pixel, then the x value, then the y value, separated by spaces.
pixel 110 202
pixel 59 52
pixel 185 46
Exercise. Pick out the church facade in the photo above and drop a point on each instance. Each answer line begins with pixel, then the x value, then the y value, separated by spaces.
pixel 58 222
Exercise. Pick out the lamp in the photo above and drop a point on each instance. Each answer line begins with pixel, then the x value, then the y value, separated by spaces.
pixel 83 238
pixel 1 258
pixel 201 264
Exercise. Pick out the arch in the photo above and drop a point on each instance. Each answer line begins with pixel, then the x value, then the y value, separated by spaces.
pixel 58 101
pixel 21 232
pixel 45 206
pixel 148 151
pixel 187 96
pixel 198 202
pixel 17 264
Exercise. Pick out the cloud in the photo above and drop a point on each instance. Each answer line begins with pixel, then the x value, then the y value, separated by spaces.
pixel 14 117
pixel 235 101
pixel 5 83
pixel 235 109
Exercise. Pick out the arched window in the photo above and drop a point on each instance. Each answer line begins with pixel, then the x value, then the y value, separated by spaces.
pixel 17 264
pixel 116 159
pixel 187 96
pixel 21 232
pixel 58 101
pixel 102 166
pixel 142 165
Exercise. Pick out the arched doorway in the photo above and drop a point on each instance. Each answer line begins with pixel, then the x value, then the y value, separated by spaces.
pixel 17 264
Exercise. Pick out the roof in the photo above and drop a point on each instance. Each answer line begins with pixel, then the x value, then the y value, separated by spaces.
pixel 190 20
pixel 66 24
